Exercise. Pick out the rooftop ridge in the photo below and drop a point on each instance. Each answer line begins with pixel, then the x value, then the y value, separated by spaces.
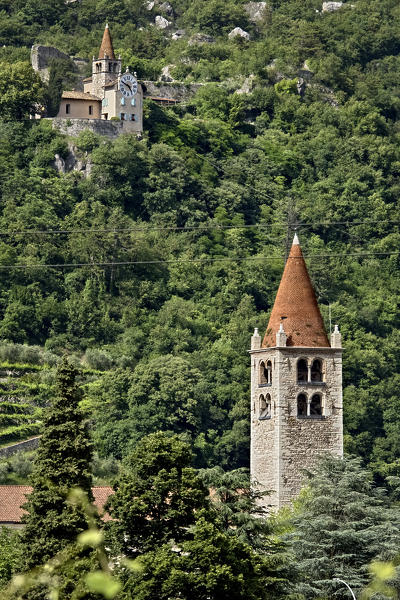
pixel 296 306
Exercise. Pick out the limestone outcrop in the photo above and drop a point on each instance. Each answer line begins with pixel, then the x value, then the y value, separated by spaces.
pixel 162 22
pixel 256 11
pixel 41 57
pixel 331 6
pixel 238 32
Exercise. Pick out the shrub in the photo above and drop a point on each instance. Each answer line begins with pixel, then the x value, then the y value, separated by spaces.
pixel 98 360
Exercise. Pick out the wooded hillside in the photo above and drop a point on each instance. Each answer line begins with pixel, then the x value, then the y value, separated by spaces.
pixel 157 266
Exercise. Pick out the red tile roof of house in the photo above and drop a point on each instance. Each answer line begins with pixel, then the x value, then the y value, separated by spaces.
pixel 296 307
pixel 106 48
pixel 12 497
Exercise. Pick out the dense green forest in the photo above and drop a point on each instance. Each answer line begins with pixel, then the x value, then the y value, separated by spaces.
pixel 182 235
pixel 151 272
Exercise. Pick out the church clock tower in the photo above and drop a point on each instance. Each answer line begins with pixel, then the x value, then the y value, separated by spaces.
pixel 106 68
pixel 296 388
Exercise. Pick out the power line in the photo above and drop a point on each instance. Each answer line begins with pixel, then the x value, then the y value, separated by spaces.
pixel 190 228
pixel 193 260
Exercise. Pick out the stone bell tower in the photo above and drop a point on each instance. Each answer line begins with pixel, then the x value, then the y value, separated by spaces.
pixel 296 388
pixel 106 68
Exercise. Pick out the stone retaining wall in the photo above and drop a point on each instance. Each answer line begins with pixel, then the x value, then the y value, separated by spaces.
pixel 111 129
pixel 30 444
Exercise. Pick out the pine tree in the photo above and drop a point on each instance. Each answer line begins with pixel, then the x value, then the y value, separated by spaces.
pixel 62 464
pixel 343 523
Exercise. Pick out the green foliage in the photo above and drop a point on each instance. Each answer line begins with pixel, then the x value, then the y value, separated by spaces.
pixel 61 77
pixel 215 16
pixel 20 91
pixel 10 554
pixel 219 162
pixel 183 544
pixel 62 463
pixel 157 494
pixel 209 564
pixel 341 523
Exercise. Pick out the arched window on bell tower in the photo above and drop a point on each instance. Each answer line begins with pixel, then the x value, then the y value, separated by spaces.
pixel 316 370
pixel 269 372
pixel 316 405
pixel 264 403
pixel 302 371
pixel 265 373
pixel 302 405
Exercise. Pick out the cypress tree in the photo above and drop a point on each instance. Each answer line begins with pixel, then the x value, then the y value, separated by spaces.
pixel 62 464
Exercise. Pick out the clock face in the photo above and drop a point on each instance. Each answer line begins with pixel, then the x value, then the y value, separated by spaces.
pixel 128 85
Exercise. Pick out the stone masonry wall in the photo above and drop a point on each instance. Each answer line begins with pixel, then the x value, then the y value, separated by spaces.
pixel 285 445
pixel 264 455
pixel 30 444
pixel 111 129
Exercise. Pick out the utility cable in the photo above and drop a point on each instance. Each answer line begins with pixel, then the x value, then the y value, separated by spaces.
pixel 191 228
pixel 194 260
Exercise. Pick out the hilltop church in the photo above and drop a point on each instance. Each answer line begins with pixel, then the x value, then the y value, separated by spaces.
pixel 296 388
pixel 108 93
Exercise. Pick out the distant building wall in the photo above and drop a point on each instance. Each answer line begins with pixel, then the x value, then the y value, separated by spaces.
pixel 174 91
pixel 79 109
pixel 127 109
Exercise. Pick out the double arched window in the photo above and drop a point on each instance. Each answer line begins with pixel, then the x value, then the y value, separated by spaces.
pixel 265 373
pixel 309 371
pixel 264 407
pixel 309 407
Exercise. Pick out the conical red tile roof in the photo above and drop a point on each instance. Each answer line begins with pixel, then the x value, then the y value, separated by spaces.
pixel 296 307
pixel 106 48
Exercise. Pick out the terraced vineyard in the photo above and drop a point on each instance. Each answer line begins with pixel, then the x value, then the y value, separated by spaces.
pixel 22 397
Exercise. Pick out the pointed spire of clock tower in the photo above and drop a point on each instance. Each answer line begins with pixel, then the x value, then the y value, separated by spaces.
pixel 106 48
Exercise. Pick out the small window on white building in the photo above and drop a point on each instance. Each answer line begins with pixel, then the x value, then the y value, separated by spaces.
pixel 105 102
pixel 133 102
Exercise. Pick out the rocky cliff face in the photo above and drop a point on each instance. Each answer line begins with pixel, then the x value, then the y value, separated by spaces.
pixel 173 91
pixel 41 57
